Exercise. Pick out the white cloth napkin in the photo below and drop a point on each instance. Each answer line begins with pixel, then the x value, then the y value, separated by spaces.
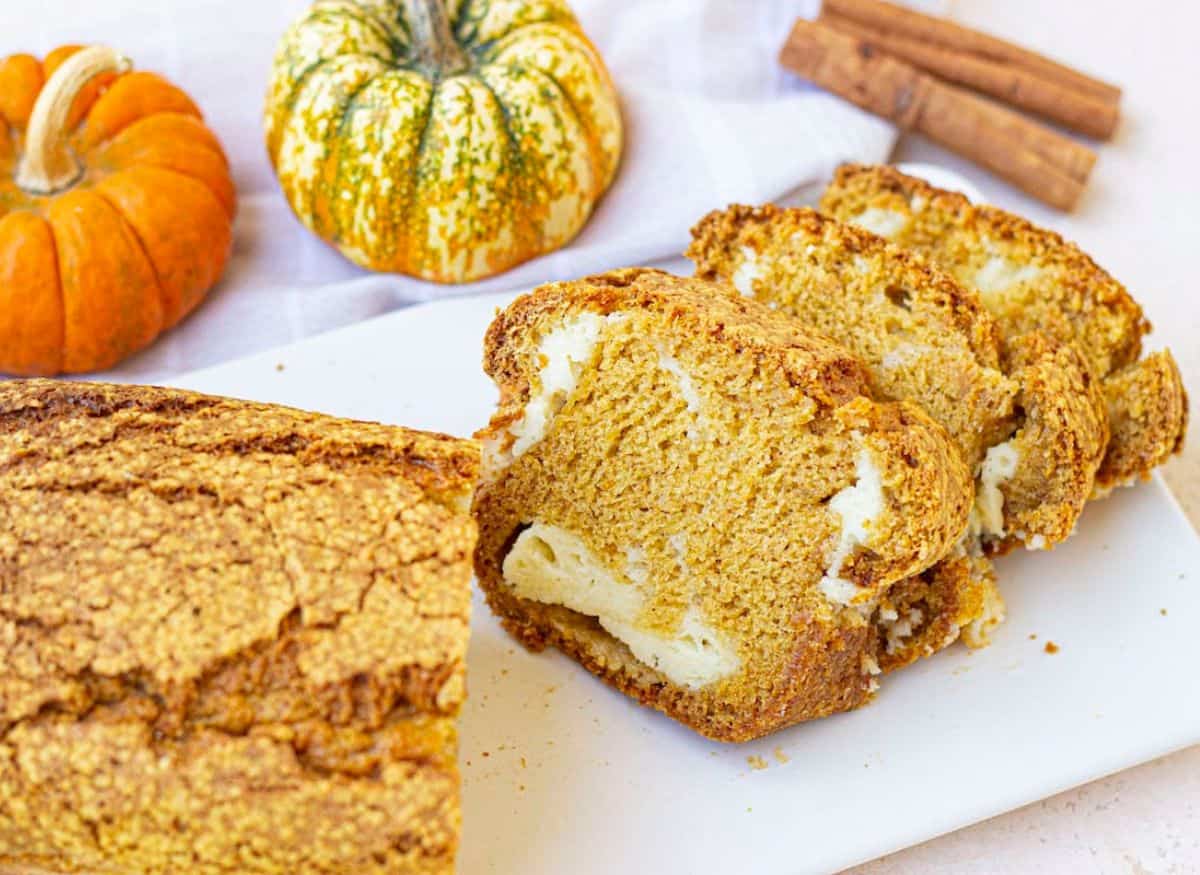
pixel 710 118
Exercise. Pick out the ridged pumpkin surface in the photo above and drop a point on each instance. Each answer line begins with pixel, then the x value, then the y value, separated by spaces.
pixel 96 269
pixel 448 153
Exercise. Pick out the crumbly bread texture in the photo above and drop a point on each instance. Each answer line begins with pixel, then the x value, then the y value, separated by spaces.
pixel 956 599
pixel 1035 438
pixel 1033 281
pixel 696 498
pixel 234 636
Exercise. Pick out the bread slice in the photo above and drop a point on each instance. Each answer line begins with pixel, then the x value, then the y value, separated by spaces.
pixel 235 636
pixel 1148 415
pixel 913 327
pixel 696 499
pixel 1032 280
pixel 1034 438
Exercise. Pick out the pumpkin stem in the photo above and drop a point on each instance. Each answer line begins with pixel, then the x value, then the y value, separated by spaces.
pixel 435 47
pixel 49 165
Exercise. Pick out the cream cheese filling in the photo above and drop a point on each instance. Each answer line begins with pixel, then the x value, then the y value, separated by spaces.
pixel 999 273
pixel 563 353
pixel 857 505
pixel 552 565
pixel 885 223
pixel 987 514
pixel 687 389
pixel 747 272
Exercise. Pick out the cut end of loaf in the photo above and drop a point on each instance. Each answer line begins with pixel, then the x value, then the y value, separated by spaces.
pixel 702 446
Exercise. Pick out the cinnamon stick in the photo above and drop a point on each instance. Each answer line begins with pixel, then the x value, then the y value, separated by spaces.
pixel 1031 91
pixel 1039 161
pixel 890 18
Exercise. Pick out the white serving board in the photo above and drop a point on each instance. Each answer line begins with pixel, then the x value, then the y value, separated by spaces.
pixel 563 775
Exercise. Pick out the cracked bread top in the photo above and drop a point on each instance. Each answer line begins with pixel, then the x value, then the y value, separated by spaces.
pixel 233 564
pixel 233 636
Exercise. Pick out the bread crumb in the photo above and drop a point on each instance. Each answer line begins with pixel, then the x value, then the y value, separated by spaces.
pixel 279 366
pixel 1051 647
pixel 757 763
pixel 1033 636
pixel 781 756
pixel 1162 611
pixel 524 764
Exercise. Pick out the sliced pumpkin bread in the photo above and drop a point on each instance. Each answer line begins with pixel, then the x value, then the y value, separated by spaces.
pixel 697 499
pixel 1033 437
pixel 1034 281
pixel 234 635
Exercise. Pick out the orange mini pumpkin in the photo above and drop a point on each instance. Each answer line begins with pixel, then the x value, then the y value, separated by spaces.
pixel 116 210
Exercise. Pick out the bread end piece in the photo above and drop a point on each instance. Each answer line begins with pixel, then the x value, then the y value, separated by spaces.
pixel 236 635
pixel 1148 414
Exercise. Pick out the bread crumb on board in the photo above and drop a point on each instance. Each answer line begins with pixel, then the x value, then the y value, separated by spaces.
pixel 1051 647
pixel 757 763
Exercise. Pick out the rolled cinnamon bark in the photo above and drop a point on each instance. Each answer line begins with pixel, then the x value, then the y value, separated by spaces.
pixel 1028 90
pixel 890 18
pixel 1042 163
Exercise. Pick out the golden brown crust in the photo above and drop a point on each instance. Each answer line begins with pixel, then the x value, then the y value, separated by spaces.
pixel 234 635
pixel 1072 300
pixel 808 357
pixel 717 234
pixel 922 336
pixel 1082 304
pixel 753 371
pixel 1062 438
pixel 1148 414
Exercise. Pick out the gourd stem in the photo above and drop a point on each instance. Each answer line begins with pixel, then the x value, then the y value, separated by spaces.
pixel 49 165
pixel 436 48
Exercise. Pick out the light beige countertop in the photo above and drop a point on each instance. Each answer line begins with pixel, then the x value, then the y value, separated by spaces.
pixel 1140 219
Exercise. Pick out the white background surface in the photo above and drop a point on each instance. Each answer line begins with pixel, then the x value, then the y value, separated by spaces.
pixel 1140 219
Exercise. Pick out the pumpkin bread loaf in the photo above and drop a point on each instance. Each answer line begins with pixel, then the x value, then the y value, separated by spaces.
pixel 1032 280
pixel 234 636
pixel 697 499
pixel 1034 438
